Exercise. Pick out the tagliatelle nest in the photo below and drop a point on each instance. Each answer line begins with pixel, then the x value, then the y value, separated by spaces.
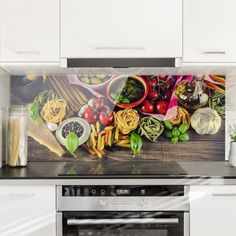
pixel 127 120
pixel 54 111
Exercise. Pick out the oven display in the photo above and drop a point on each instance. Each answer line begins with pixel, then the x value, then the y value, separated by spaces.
pixel 122 192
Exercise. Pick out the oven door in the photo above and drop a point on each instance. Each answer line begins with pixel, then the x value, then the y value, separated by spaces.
pixel 123 224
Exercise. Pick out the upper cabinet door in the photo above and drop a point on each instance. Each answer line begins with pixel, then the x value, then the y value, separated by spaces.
pixel 121 28
pixel 209 31
pixel 29 30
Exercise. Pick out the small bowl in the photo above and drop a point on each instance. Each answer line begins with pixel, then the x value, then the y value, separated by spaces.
pixel 82 139
pixel 93 73
pixel 127 105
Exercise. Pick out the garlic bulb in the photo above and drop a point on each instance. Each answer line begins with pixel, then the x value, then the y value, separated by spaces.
pixel 206 121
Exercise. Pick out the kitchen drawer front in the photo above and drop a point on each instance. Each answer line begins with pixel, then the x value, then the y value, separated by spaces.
pixel 29 30
pixel 208 34
pixel 212 210
pixel 121 29
pixel 27 210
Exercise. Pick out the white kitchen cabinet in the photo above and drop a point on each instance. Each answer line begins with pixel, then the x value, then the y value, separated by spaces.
pixel 29 30
pixel 121 28
pixel 209 35
pixel 212 210
pixel 27 211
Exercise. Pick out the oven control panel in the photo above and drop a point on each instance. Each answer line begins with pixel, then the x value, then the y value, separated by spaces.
pixel 121 191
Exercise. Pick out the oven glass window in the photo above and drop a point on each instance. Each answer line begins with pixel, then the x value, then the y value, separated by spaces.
pixel 123 224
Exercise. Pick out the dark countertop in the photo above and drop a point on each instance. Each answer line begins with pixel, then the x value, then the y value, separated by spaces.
pixel 51 170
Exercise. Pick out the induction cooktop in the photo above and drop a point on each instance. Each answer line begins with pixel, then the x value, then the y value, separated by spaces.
pixel 122 169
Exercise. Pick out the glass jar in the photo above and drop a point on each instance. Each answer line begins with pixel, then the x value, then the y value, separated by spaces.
pixel 17 136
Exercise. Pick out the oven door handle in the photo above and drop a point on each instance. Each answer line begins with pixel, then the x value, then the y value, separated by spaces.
pixel 122 221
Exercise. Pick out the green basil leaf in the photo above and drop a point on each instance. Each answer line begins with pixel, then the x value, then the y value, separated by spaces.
pixel 167 134
pixel 167 125
pixel 125 100
pixel 184 137
pixel 34 111
pixel 136 143
pixel 183 128
pixel 175 140
pixel 72 143
pixel 113 95
pixel 175 132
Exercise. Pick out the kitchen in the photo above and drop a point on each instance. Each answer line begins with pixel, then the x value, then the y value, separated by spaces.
pixel 117 117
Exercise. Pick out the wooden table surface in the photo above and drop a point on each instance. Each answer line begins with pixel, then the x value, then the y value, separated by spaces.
pixel 198 148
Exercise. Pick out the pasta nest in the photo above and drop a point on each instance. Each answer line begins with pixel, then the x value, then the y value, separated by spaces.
pixel 54 111
pixel 127 120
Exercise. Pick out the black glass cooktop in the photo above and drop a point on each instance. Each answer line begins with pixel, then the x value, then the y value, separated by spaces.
pixel 129 168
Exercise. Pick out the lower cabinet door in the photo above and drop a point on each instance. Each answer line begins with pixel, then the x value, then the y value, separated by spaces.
pixel 27 211
pixel 212 210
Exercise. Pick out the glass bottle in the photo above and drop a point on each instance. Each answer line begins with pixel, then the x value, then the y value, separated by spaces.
pixel 17 136
pixel 192 94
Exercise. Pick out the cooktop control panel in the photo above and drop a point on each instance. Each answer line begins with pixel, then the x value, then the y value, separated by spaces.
pixel 122 191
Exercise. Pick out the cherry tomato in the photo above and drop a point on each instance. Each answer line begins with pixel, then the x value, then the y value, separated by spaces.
pixel 152 94
pixel 168 95
pixel 98 102
pixel 162 77
pixel 152 82
pixel 161 107
pixel 147 107
pixel 89 115
pixel 106 117
pixel 167 84
pixel 101 108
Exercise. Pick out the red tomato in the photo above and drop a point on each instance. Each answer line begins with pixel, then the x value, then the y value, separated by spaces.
pixel 152 94
pixel 89 115
pixel 147 107
pixel 168 95
pixel 151 82
pixel 106 118
pixel 161 107
pixel 98 102
pixel 101 108
pixel 167 84
pixel 162 77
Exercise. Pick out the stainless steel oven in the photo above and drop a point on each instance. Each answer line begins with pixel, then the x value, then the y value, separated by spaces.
pixel 122 211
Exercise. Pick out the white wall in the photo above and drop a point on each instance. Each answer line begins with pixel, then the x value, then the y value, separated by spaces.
pixel 230 108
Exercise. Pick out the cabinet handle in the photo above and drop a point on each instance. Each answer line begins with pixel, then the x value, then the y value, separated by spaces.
pixel 214 52
pixel 28 52
pixel 120 48
pixel 223 194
